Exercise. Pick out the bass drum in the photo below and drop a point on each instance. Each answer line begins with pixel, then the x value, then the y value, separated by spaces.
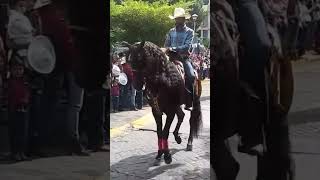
pixel 123 79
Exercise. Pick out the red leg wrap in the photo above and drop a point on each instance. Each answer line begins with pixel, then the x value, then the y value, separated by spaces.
pixel 160 147
pixel 165 144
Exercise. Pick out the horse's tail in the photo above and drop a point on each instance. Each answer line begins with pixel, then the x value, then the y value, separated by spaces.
pixel 196 117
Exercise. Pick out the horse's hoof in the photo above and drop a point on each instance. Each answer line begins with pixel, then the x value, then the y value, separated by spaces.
pixel 167 158
pixel 157 161
pixel 189 147
pixel 177 138
pixel 159 154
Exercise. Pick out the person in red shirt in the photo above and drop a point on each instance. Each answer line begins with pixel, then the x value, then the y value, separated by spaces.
pixel 129 93
pixel 18 101
pixel 54 25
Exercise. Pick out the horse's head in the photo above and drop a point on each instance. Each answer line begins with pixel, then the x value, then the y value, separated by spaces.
pixel 137 60
pixel 136 55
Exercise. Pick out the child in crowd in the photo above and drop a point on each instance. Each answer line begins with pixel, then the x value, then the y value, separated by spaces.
pixel 18 100
pixel 115 93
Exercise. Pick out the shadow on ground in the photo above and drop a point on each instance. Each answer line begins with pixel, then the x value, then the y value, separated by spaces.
pixel 197 174
pixel 301 117
pixel 141 167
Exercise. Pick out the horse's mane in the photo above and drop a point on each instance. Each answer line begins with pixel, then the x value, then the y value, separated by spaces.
pixel 167 69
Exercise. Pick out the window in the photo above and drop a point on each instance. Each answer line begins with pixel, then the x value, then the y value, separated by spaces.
pixel 205 34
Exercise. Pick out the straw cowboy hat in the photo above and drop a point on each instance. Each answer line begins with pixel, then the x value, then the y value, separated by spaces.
pixel 179 12
pixel 41 55
pixel 41 3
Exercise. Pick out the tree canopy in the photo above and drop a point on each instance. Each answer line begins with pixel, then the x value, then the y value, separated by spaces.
pixel 136 20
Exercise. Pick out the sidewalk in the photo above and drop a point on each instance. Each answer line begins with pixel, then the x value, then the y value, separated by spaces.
pixel 94 167
pixel 305 139
pixel 133 153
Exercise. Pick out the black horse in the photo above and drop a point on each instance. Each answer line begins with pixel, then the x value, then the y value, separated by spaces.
pixel 166 92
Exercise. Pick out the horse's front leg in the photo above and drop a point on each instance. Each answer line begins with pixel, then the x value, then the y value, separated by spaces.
pixel 180 115
pixel 165 145
pixel 158 118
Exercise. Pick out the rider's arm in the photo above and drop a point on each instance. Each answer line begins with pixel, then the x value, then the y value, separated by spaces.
pixel 187 43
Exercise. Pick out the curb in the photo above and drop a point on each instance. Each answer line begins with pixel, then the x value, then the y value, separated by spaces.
pixel 138 123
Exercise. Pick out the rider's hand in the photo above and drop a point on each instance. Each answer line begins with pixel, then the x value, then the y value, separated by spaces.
pixel 169 49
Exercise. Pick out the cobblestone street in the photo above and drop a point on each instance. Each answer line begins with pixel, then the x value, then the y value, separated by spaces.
pixel 133 152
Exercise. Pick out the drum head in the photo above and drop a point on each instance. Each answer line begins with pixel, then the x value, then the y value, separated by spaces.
pixel 123 79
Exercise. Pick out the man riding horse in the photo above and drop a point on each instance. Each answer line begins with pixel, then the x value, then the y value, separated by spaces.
pixel 179 39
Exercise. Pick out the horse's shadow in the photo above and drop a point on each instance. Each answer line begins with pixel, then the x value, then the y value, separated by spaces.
pixel 142 166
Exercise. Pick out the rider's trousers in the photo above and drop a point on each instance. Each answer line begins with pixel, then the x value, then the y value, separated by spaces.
pixel 256 42
pixel 190 75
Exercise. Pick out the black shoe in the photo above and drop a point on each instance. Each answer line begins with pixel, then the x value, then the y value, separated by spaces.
pixel 16 157
pixel 24 157
pixel 101 149
pixel 81 153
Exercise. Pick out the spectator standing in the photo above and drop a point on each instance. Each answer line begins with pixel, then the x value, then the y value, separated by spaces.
pixel 115 93
pixel 19 35
pixel 93 67
pixel 18 99
pixel 129 91
pixel 54 26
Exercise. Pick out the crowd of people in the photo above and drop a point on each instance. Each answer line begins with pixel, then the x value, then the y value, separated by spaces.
pixel 309 34
pixel 124 97
pixel 123 94
pixel 201 61
pixel 32 99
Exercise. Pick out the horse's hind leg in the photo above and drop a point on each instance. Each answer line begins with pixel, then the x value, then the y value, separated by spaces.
pixel 158 119
pixel 180 115
pixel 167 155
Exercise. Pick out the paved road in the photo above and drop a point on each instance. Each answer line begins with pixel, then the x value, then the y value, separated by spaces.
pixel 139 146
pixel 133 152
pixel 304 120
pixel 94 167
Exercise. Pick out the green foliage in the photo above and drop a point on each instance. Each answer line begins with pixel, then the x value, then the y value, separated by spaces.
pixel 206 42
pixel 197 9
pixel 136 20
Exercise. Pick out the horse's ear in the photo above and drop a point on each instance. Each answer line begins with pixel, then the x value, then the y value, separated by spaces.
pixel 142 44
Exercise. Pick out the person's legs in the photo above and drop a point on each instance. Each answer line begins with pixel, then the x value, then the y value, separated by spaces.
pixel 190 77
pixel 75 101
pixel 132 98
pixel 113 98
pixel 96 115
pixel 49 103
pixel 13 136
pixel 116 103
pixel 189 71
pixel 257 45
pixel 139 97
pixel 34 121
pixel 22 133
pixel 123 97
